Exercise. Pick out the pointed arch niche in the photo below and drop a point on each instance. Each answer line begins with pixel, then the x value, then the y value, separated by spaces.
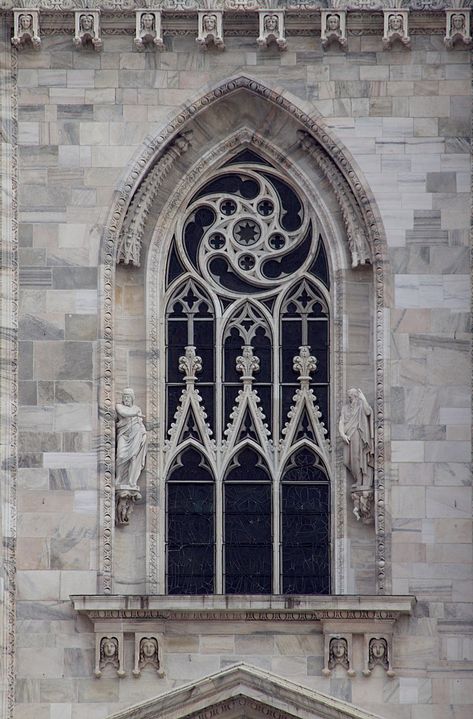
pixel 239 121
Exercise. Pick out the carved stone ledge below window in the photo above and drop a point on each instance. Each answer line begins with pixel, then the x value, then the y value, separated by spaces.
pixel 353 614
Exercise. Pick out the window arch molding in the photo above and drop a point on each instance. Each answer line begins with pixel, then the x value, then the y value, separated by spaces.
pixel 338 249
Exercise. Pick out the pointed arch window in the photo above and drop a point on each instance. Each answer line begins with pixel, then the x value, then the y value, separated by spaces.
pixel 245 454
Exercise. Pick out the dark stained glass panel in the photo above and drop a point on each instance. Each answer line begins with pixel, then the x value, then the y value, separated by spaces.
pixel 190 538
pixel 248 539
pixel 305 526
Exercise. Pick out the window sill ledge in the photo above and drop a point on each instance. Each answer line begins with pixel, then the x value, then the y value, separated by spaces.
pixel 274 608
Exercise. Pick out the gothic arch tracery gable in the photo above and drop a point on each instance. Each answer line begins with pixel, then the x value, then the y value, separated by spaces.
pixel 192 166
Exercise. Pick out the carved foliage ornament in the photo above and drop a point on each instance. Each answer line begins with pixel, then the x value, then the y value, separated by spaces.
pixel 26 29
pixel 148 29
pixel 129 245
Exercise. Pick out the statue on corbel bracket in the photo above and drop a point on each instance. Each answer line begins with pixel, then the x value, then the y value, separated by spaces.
pixel 396 27
pixel 333 27
pixel 26 29
pixel 378 653
pixel 338 652
pixel 271 28
pixel 357 431
pixel 87 29
pixel 148 29
pixel 131 447
pixel 109 651
pixel 148 653
pixel 458 27
pixel 210 29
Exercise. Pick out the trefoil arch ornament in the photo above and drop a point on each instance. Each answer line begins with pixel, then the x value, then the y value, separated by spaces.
pixel 154 149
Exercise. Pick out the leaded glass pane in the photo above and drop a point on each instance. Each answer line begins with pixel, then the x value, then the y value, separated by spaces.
pixel 190 538
pixel 248 538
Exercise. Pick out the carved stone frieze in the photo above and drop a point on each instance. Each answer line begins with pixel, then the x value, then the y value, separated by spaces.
pixel 148 29
pixel 240 6
pixel 210 29
pixel 277 608
pixel 26 29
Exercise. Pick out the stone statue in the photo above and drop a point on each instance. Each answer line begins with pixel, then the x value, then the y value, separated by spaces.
pixel 356 430
pixel 333 28
pixel 131 441
pixel 147 653
pixel 148 29
pixel 458 27
pixel 338 653
pixel 210 29
pixel 87 29
pixel 26 29
pixel 378 655
pixel 395 27
pixel 109 650
pixel 271 29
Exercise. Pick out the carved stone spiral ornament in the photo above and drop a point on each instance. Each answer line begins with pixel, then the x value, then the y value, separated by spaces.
pixel 248 240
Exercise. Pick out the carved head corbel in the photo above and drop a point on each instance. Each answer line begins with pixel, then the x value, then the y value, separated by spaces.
pixel 26 29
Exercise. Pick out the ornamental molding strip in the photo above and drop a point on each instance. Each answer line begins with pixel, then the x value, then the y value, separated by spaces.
pixel 129 246
pixel 278 608
pixel 182 7
pixel 352 213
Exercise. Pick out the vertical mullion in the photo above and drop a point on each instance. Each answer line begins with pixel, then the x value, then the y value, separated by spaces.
pixel 219 414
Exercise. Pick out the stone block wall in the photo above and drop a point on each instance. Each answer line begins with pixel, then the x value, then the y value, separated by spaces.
pixel 404 115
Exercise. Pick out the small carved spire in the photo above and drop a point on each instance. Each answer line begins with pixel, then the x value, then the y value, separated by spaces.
pixel 247 363
pixel 304 363
pixel 190 364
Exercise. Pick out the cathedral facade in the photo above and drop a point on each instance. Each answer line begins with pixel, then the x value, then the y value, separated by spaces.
pixel 236 369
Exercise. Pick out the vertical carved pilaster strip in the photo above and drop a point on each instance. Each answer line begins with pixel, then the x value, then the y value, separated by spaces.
pixel 341 559
pixel 9 362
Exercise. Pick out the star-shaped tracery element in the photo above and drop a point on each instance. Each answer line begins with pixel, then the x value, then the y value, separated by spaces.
pixel 246 232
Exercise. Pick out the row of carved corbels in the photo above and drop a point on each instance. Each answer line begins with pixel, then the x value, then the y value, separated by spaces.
pixel 338 652
pixel 338 649
pixel 109 654
pixel 210 28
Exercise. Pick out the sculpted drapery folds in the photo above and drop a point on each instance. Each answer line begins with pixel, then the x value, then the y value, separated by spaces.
pixel 131 441
pixel 356 430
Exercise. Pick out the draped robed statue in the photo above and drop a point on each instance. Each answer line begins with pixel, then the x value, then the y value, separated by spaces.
pixel 131 441
pixel 356 430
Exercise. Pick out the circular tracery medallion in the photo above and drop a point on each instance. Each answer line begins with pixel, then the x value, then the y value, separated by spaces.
pixel 248 207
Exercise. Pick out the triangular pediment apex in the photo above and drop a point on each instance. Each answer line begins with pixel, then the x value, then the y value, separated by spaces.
pixel 243 691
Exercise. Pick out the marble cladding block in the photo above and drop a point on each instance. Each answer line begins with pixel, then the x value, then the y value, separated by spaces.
pixel 404 117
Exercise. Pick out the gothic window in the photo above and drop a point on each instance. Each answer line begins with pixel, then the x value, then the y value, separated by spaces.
pixel 246 457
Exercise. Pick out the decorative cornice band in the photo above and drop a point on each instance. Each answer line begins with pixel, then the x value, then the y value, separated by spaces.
pixel 245 609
